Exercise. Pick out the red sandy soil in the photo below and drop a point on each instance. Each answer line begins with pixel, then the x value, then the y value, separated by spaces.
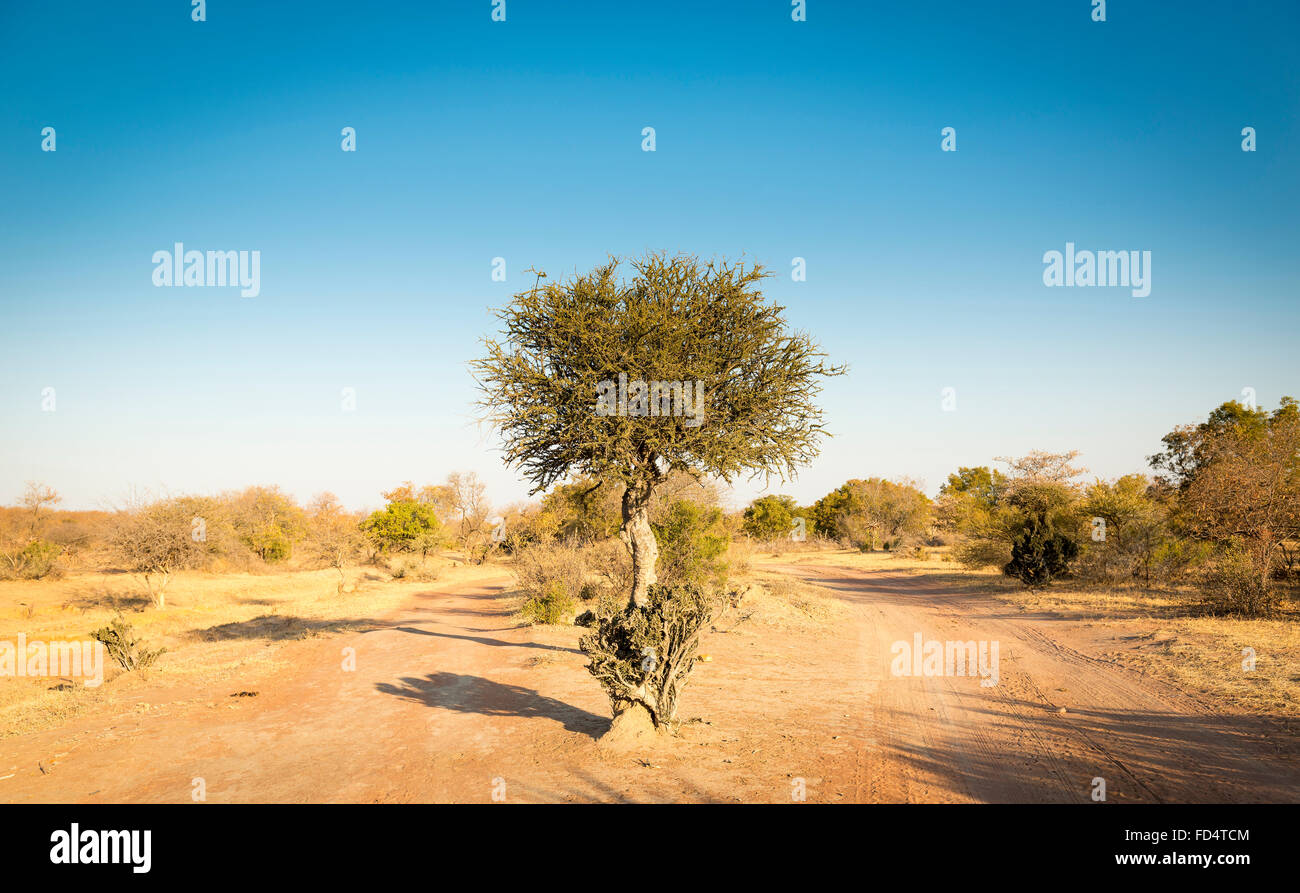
pixel 452 700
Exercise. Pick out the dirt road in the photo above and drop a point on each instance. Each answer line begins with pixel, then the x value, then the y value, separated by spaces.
pixel 451 700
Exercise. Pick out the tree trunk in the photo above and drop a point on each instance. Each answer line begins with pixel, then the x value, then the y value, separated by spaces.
pixel 640 539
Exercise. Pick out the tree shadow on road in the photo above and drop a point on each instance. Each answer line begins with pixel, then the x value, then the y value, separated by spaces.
pixel 277 627
pixel 484 640
pixel 474 694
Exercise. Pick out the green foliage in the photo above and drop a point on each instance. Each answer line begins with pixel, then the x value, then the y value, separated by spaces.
pixel 553 604
pixel 770 517
pixel 123 647
pixel 404 525
pixel 268 522
pixel 873 513
pixel 694 540
pixel 1039 554
pixel 980 484
pixel 990 511
pixel 584 509
pixel 678 319
pixel 1175 556
pixel 34 561
pixel 644 654
pixel 1128 526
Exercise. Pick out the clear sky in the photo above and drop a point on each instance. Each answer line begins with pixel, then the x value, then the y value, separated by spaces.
pixel 522 139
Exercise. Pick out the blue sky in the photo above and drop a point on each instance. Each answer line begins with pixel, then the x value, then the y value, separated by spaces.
pixel 522 139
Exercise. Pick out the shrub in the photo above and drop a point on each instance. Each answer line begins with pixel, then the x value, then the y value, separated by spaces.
pixel 610 560
pixel 693 545
pixel 268 522
pixel 405 525
pixel 553 604
pixel 33 561
pixel 770 517
pixel 123 647
pixel 644 655
pixel 1234 586
pixel 551 579
pixel 1176 557
pixel 1039 553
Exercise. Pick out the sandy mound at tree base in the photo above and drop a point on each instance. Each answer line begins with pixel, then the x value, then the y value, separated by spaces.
pixel 632 727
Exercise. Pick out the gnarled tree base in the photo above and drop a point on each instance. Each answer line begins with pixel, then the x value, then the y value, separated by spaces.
pixel 643 655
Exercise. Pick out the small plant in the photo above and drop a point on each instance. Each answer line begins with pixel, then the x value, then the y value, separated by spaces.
pixel 123 647
pixel 552 579
pixel 552 605
pixel 34 561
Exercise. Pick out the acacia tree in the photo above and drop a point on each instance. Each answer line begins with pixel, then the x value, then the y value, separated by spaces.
pixel 1246 488
pixel 679 321
pixel 157 539
pixel 686 368
pixel 334 535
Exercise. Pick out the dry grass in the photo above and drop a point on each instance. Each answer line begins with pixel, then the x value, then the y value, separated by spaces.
pixel 1162 633
pixel 215 626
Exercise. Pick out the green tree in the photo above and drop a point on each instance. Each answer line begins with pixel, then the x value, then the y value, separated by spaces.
pixel 770 517
pixel 408 523
pixel 678 320
pixel 684 368
pixel 989 509
pixel 872 513
pixel 980 484
pixel 1128 527
pixel 268 522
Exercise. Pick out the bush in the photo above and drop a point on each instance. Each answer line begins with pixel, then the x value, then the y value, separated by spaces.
pixel 552 605
pixel 976 553
pixel 770 517
pixel 122 645
pixel 611 561
pixel 693 543
pixel 33 561
pixel 1176 557
pixel 645 655
pixel 551 579
pixel 414 570
pixel 1040 554
pixel 740 557
pixel 1234 586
